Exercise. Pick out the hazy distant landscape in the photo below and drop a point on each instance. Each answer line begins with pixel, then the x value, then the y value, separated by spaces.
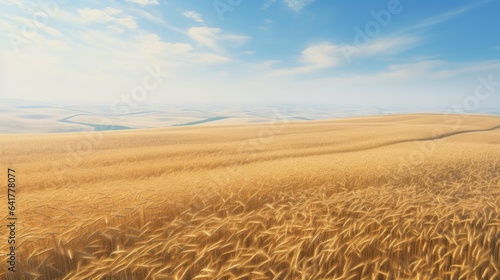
pixel 21 116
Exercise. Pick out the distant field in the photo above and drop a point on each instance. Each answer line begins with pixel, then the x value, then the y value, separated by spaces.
pixel 21 116
pixel 392 197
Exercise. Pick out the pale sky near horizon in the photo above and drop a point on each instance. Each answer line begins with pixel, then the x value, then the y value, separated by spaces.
pixel 369 53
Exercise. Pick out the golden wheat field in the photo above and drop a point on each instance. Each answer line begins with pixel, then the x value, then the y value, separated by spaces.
pixel 389 197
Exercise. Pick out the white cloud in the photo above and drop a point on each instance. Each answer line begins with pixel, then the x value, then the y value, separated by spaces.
pixel 113 11
pixel 265 24
pixel 215 39
pixel 37 25
pixel 56 45
pixel 268 4
pixel 157 19
pixel 389 45
pixel 69 18
pixel 152 47
pixel 297 5
pixel 96 15
pixel 210 58
pixel 206 36
pixel 446 83
pixel 406 70
pixel 108 15
pixel 445 16
pixel 268 63
pixel 193 16
pixel 95 54
pixel 144 2
pixel 386 45
pixel 428 70
pixel 115 28
pixel 315 57
pixel 321 55
pixel 7 27
pixel 457 69
pixel 328 55
pixel 128 22
pixel 152 43
pixel 21 4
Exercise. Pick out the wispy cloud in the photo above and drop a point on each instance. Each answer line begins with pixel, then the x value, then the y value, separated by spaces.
pixel 428 22
pixel 20 4
pixel 108 15
pixel 144 2
pixel 297 5
pixel 328 55
pixel 457 69
pixel 315 57
pixel 215 39
pixel 24 21
pixel 152 43
pixel 157 19
pixel 115 28
pixel 268 4
pixel 7 27
pixel 389 45
pixel 192 15
pixel 269 63
pixel 426 69
pixel 321 55
pixel 265 24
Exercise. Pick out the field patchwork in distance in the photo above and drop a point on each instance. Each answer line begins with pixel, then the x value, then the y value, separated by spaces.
pixel 23 116
pixel 388 197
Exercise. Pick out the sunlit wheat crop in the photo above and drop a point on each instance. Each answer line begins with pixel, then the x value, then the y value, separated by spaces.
pixel 395 197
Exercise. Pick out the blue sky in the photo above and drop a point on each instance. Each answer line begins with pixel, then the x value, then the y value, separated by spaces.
pixel 374 53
